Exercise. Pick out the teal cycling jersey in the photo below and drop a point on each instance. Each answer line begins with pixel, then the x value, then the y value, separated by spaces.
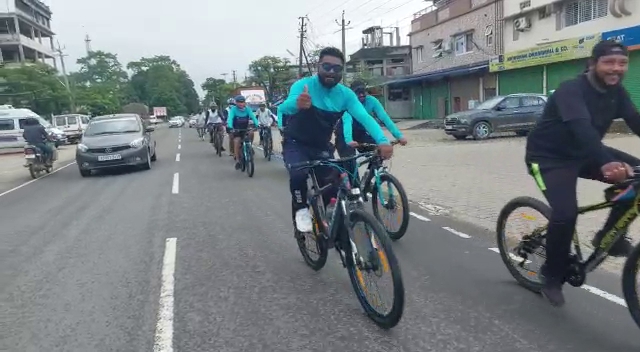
pixel 352 127
pixel 239 118
pixel 315 126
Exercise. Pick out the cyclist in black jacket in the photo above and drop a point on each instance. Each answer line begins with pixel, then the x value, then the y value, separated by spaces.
pixel 566 144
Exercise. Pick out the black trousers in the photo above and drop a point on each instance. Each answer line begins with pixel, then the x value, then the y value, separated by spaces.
pixel 558 182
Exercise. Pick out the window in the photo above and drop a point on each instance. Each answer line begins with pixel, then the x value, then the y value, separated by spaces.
pixel 397 61
pixel 463 43
pixel 7 125
pixel 396 94
pixel 532 101
pixel 419 53
pixel 72 120
pixel 378 71
pixel 511 103
pixel 60 121
pixel 85 119
pixel 581 11
pixel 21 123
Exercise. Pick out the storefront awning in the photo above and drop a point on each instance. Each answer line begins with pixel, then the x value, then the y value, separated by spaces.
pixel 438 75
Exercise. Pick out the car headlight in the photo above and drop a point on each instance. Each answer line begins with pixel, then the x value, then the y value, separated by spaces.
pixel 137 143
pixel 463 121
pixel 82 147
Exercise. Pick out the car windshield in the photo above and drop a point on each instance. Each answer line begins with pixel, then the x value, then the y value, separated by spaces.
pixel 112 126
pixel 489 104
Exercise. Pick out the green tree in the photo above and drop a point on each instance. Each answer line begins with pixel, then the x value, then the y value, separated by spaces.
pixel 217 90
pixel 100 85
pixel 35 86
pixel 160 81
pixel 272 73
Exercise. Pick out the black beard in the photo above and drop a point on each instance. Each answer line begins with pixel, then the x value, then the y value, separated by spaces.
pixel 336 80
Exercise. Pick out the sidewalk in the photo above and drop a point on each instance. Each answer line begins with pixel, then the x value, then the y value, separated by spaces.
pixel 13 172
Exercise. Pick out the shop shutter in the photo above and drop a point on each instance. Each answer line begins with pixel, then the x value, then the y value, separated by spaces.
pixel 524 80
pixel 417 102
pixel 439 92
pixel 563 71
pixel 425 113
pixel 632 78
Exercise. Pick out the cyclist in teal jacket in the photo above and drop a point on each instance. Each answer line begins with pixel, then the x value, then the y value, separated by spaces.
pixel 238 122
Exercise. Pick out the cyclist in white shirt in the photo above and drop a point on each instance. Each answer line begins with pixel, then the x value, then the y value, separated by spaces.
pixel 214 121
pixel 265 118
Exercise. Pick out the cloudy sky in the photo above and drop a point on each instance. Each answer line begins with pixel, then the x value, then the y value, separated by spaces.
pixel 212 37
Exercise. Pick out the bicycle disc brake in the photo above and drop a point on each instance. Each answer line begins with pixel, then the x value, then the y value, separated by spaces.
pixel 527 246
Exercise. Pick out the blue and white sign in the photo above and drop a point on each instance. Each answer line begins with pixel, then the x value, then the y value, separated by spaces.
pixel 629 36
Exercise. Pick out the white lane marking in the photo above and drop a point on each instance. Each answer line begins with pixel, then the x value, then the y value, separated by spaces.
pixel 175 188
pixel 178 157
pixel 596 291
pixel 34 180
pixel 419 217
pixel 456 232
pixel 512 256
pixel 606 295
pixel 163 341
pixel 179 146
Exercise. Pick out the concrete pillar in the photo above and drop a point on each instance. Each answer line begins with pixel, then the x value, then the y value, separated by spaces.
pixel 33 32
pixel 20 47
pixel 39 33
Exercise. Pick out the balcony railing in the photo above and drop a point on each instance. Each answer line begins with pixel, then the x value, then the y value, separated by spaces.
pixel 432 8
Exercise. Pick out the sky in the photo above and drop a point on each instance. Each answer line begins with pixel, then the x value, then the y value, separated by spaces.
pixel 209 38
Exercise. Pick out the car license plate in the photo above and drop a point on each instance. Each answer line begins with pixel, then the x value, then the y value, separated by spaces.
pixel 109 157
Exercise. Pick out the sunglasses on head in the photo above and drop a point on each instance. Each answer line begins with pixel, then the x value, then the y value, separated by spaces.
pixel 328 67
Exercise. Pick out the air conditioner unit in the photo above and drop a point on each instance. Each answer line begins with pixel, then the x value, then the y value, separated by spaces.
pixel 522 24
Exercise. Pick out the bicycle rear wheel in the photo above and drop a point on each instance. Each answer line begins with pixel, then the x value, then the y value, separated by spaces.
pixel 629 284
pixel 394 204
pixel 517 260
pixel 381 260
pixel 315 239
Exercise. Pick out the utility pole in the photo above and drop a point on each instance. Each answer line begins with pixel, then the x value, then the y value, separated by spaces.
pixel 343 28
pixel 235 78
pixel 87 44
pixel 60 51
pixel 303 32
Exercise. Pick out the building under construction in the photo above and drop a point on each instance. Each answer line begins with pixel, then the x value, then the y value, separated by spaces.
pixel 25 32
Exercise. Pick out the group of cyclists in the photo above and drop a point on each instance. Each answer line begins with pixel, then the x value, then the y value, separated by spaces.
pixel 565 145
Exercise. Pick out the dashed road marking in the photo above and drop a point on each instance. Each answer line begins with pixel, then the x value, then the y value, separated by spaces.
pixel 175 188
pixel 419 217
pixel 179 146
pixel 178 157
pixel 512 256
pixel 456 232
pixel 163 341
pixel 596 291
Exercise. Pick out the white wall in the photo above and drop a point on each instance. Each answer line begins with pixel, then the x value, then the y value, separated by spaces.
pixel 545 30
pixel 7 6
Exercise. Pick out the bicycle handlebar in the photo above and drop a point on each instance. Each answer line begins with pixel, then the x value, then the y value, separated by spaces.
pixel 316 163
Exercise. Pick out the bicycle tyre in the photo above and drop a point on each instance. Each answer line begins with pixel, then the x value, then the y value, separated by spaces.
pixel 404 200
pixel 510 207
pixel 629 279
pixel 270 145
pixel 321 245
pixel 392 318
pixel 250 167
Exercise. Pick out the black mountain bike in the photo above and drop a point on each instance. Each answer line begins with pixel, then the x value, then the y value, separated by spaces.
pixel 625 194
pixel 267 143
pixel 218 139
pixel 370 254
pixel 246 155
pixel 372 181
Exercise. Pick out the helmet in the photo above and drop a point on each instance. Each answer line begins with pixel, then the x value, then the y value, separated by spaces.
pixel 231 101
pixel 213 105
pixel 240 99
pixel 358 86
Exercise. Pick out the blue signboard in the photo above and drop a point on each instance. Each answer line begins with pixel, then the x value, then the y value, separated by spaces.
pixel 629 36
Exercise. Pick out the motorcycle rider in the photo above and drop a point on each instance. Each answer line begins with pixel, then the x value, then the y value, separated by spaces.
pixel 36 135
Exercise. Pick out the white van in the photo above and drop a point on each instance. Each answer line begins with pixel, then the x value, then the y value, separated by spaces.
pixel 12 126
pixel 72 125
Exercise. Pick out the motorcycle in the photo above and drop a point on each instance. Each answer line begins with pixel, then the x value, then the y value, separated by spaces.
pixel 35 160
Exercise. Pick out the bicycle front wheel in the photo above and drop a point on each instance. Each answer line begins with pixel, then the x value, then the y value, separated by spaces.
pixel 395 204
pixel 373 261
pixel 630 284
pixel 249 164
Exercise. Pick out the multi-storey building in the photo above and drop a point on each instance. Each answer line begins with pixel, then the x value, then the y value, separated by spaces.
pixel 452 43
pixel 25 32
pixel 381 63
pixel 549 41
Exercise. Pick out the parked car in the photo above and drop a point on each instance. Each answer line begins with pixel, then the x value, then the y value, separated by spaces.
pixel 511 113
pixel 115 141
pixel 176 122
pixel 73 125
pixel 58 135
pixel 12 123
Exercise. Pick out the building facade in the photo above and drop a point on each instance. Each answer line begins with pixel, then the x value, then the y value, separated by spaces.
pixel 379 63
pixel 25 32
pixel 452 43
pixel 548 41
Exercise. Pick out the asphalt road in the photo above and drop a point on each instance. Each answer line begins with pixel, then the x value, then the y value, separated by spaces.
pixel 86 265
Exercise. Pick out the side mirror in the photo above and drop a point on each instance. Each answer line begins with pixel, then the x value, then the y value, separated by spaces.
pixel 500 107
pixel 149 129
